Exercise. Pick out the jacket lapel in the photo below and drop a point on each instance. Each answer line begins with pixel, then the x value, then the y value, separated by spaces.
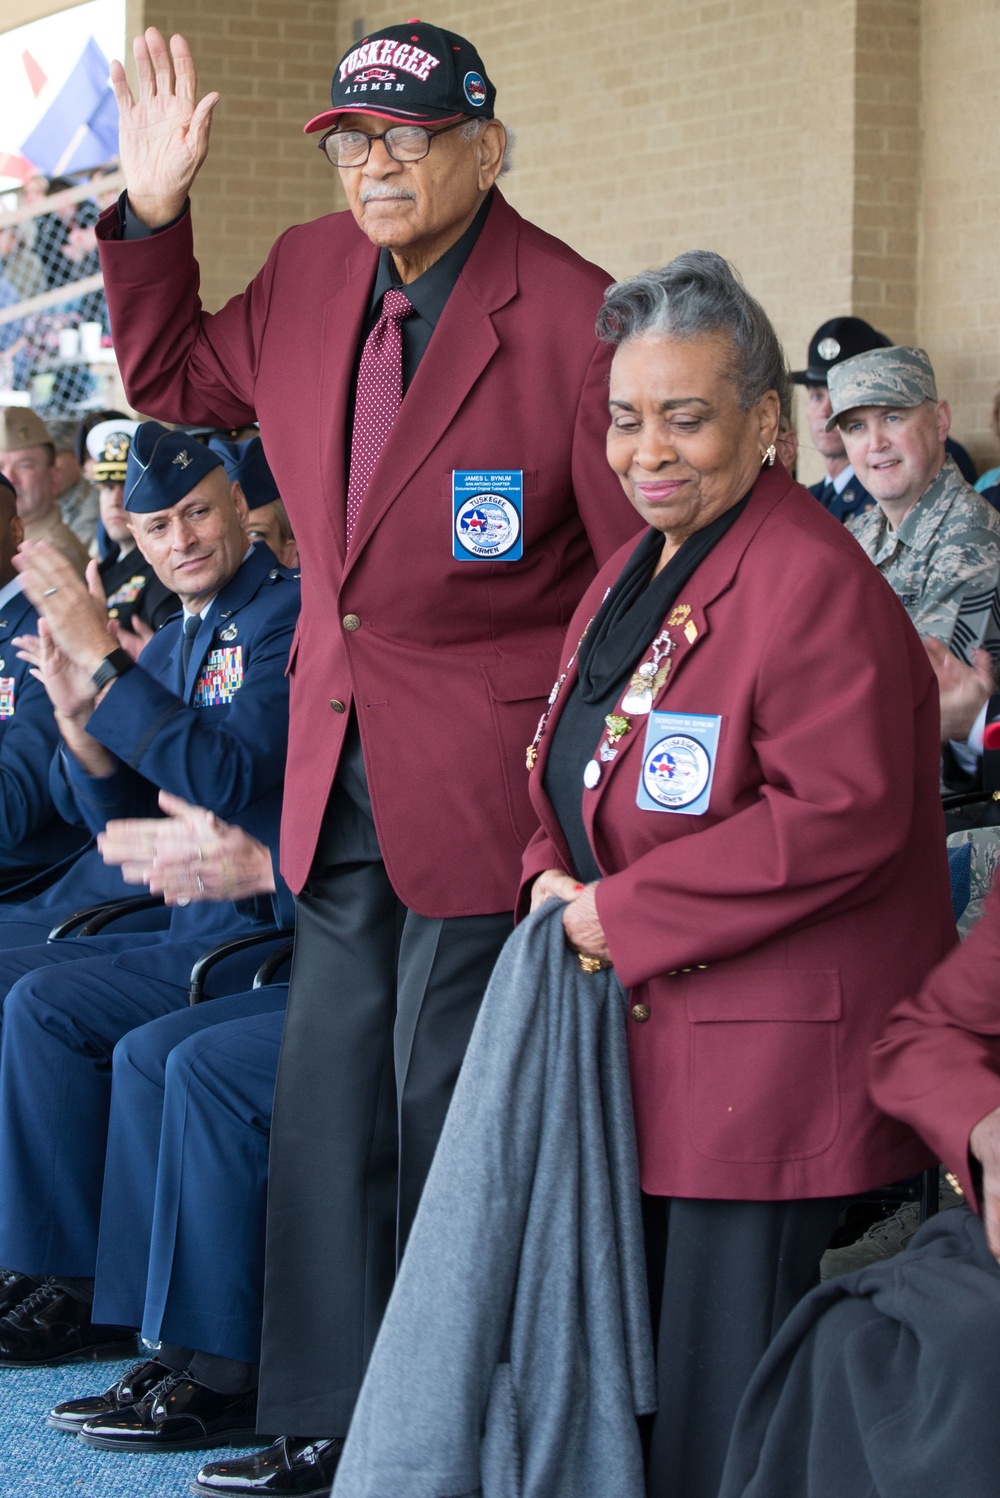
pixel 688 625
pixel 343 319
pixel 240 589
pixel 461 346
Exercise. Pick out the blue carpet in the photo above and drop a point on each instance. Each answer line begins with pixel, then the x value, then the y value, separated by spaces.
pixel 36 1462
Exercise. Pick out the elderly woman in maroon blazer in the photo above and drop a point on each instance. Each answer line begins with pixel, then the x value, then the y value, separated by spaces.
pixel 737 783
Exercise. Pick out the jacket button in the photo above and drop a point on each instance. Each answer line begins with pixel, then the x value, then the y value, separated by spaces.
pixel 337 706
pixel 351 622
pixel 640 1013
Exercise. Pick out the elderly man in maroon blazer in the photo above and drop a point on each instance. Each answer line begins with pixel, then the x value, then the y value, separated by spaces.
pixel 432 402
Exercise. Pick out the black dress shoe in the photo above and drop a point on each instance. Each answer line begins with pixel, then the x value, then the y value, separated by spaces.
pixel 178 1415
pixel 14 1288
pixel 51 1326
pixel 289 1469
pixel 134 1384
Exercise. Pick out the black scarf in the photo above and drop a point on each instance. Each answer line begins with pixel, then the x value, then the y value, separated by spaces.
pixel 625 625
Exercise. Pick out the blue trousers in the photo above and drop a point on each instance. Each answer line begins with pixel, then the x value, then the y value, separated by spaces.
pixel 64 1012
pixel 181 1249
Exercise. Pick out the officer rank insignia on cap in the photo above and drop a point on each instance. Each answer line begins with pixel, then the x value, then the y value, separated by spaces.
pixel 828 348
pixel 163 466
pixel 221 677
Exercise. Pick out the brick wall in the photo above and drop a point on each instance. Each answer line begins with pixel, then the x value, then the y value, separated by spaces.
pixel 270 61
pixel 959 280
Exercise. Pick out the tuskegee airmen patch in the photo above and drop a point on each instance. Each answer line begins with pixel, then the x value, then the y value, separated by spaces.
pixel 6 696
pixel 487 516
pixel 678 763
pixel 221 677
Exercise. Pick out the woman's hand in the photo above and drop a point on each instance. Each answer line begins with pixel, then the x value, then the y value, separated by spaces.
pixel 583 928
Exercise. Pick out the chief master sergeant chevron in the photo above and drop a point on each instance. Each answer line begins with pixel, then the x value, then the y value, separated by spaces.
pixel 433 404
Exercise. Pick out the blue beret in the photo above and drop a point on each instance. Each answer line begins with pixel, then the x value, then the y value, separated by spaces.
pixel 163 466
pixel 246 465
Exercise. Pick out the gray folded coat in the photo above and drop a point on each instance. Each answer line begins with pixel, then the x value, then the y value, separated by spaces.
pixel 516 1352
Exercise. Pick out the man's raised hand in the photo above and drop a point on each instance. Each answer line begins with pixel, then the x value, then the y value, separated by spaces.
pixel 163 135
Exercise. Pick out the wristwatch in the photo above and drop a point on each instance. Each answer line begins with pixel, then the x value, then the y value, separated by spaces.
pixel 112 666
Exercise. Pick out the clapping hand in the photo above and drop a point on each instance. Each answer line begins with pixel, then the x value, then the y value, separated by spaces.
pixel 163 135
pixel 188 855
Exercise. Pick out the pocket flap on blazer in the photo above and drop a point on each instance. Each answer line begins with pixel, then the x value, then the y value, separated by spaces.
pixel 781 994
pixel 520 679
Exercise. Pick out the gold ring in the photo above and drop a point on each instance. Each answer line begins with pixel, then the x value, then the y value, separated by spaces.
pixel 589 964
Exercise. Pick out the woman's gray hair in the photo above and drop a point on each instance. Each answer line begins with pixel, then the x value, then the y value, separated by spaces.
pixel 699 293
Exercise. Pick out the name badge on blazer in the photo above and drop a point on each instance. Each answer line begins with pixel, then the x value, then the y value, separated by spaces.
pixel 221 677
pixel 6 696
pixel 678 763
pixel 487 515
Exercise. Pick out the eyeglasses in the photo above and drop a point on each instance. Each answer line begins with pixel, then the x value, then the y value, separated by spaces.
pixel 403 143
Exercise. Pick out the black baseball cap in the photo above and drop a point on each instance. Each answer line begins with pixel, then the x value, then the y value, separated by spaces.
pixel 414 72
pixel 840 338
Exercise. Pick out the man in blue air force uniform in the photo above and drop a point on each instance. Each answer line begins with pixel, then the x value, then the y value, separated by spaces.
pixel 32 834
pixel 204 715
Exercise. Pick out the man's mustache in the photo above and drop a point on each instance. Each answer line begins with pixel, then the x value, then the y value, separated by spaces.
pixel 373 190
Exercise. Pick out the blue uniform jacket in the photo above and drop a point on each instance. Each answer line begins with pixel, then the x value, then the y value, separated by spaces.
pixel 853 500
pixel 217 737
pixel 31 831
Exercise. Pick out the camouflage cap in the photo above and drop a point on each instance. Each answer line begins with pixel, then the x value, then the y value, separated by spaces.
pixel 881 377
pixel 21 427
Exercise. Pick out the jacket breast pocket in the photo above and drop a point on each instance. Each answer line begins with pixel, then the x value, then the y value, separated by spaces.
pixel 519 690
pixel 764 1082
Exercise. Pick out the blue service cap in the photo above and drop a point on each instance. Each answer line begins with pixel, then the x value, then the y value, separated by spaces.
pixel 246 465
pixel 163 466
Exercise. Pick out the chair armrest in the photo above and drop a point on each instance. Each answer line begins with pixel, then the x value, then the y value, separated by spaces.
pixel 93 920
pixel 265 973
pixel 210 959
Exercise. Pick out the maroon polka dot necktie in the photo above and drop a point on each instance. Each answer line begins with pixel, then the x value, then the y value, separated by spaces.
pixel 378 397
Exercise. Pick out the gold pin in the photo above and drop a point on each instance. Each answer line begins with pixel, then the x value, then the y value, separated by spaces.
pixel 691 631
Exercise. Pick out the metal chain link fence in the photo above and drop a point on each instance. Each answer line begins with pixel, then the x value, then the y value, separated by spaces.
pixel 55 338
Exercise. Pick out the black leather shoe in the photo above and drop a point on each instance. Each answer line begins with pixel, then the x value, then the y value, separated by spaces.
pixel 289 1469
pixel 134 1384
pixel 178 1415
pixel 51 1326
pixel 14 1288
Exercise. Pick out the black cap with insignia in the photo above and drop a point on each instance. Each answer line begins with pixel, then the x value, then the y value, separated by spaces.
pixel 163 466
pixel 414 71
pixel 840 338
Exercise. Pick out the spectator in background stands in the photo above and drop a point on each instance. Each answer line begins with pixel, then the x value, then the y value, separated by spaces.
pixel 840 492
pixel 32 835
pixel 268 520
pixel 77 496
pixel 138 602
pixel 27 459
pixel 988 483
pixel 20 265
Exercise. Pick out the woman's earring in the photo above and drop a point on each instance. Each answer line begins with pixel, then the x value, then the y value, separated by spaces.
pixel 769 456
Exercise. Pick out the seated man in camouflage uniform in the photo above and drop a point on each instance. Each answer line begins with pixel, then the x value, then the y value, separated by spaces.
pixel 935 541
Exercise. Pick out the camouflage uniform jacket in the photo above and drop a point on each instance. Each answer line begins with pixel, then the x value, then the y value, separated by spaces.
pixel 943 563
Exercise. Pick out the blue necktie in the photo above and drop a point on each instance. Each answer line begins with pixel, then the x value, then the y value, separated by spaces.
pixel 192 624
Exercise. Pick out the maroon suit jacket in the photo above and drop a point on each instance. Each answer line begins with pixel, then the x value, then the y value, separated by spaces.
pixel 770 936
pixel 938 1063
pixel 450 666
